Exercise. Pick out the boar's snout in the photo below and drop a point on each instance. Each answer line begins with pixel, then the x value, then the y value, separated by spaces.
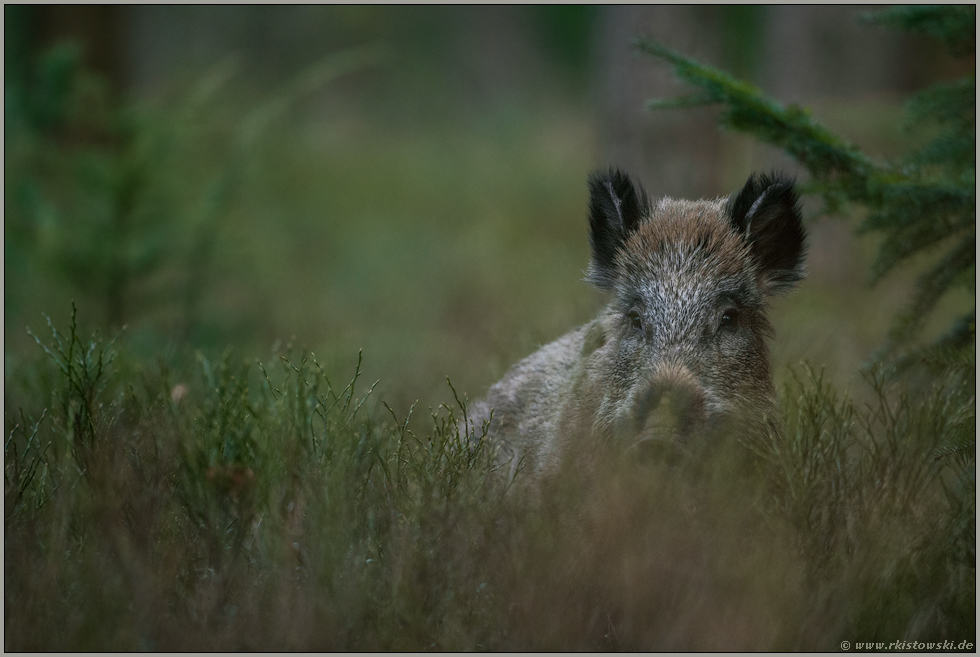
pixel 668 415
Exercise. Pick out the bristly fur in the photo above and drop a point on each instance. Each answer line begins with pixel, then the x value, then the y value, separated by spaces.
pixel 617 207
pixel 767 213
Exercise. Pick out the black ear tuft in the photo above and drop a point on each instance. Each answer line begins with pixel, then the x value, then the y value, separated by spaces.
pixel 617 207
pixel 767 213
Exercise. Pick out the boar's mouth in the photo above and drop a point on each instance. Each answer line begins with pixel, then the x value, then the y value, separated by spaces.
pixel 652 451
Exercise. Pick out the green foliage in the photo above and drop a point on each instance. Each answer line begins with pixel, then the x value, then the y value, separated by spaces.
pixel 85 368
pixel 850 460
pixel 920 203
pixel 747 109
pixel 25 484
pixel 954 25
pixel 124 200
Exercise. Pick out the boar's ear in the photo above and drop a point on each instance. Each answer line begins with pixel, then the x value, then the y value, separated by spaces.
pixel 767 214
pixel 616 208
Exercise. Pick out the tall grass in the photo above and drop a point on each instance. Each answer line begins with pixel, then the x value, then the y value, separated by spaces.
pixel 251 505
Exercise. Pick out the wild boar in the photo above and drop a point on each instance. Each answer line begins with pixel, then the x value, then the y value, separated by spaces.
pixel 679 356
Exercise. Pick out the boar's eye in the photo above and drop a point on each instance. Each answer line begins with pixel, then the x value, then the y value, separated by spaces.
pixel 729 319
pixel 636 322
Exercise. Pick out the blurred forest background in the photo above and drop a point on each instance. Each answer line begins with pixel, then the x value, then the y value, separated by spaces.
pixel 409 181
